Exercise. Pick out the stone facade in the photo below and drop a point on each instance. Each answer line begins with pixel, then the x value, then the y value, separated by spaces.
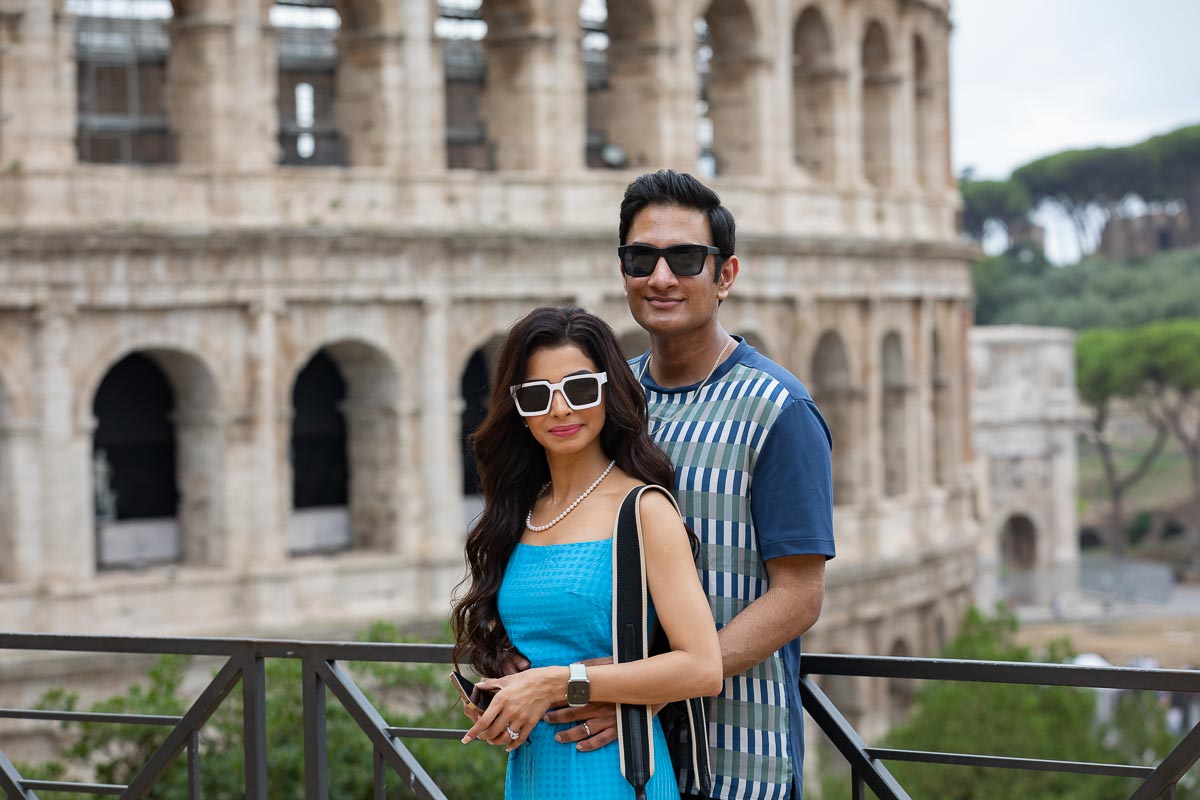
pixel 1026 420
pixel 246 284
pixel 1136 238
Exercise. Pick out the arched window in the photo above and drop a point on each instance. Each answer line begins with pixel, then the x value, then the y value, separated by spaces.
pixel 878 85
pixel 619 56
pixel 940 418
pixel 156 462
pixel 121 52
pixel 814 80
pixel 834 392
pixel 306 50
pixel 477 387
pixel 728 63
pixel 895 418
pixel 345 452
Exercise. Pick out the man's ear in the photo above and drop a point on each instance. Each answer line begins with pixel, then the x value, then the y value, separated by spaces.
pixel 726 277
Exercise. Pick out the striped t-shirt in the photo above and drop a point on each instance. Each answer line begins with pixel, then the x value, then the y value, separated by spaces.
pixel 753 480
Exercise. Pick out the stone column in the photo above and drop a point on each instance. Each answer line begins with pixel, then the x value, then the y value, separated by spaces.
pixel 370 104
pixel 422 101
pixel 37 87
pixel 200 470
pixel 637 106
pixel 20 482
pixel 440 483
pixel 533 102
pixel 256 521
pixel 68 529
pixel 923 457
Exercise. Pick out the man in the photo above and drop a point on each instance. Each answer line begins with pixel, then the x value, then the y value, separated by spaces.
pixel 752 476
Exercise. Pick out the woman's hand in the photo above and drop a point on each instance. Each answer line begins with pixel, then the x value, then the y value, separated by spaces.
pixel 520 701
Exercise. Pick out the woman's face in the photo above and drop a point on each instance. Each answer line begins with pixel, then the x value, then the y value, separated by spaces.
pixel 564 430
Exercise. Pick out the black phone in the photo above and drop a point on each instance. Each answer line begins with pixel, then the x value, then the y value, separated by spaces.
pixel 471 694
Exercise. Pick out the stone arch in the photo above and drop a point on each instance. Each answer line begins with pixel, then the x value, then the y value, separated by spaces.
pixel 814 84
pixel 122 53
pixel 900 691
pixel 619 70
pixel 477 379
pixel 1018 542
pixel 878 88
pixel 833 391
pixel 894 415
pixel 633 342
pixel 309 79
pixel 1018 557
pixel 728 85
pixel 345 404
pixel 157 461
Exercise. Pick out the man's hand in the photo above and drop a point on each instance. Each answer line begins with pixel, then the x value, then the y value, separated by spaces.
pixel 598 721
pixel 513 661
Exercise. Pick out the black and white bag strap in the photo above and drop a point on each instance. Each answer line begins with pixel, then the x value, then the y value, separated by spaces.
pixel 631 634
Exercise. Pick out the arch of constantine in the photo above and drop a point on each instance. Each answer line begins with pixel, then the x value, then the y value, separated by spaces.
pixel 254 257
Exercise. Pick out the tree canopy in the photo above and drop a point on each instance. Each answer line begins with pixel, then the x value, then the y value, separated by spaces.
pixel 1161 169
pixel 1094 293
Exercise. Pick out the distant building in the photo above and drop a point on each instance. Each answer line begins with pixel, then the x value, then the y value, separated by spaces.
pixel 1025 422
pixel 1136 238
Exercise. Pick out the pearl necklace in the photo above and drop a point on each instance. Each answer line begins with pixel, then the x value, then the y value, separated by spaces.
pixel 693 395
pixel 539 528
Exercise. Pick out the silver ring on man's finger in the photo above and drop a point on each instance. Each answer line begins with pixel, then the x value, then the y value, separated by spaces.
pixel 586 728
pixel 514 735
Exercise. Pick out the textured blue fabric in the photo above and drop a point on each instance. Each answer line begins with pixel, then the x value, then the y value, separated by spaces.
pixel 556 606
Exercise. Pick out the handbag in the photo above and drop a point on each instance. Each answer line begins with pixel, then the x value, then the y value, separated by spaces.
pixel 684 722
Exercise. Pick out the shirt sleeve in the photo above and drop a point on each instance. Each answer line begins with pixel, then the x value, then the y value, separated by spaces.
pixel 791 496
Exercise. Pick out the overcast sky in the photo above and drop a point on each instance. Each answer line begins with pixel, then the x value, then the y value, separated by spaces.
pixel 1031 77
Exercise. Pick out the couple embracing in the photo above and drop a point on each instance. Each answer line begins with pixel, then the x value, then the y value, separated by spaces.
pixel 572 430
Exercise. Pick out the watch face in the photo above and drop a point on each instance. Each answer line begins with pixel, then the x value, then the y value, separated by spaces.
pixel 578 693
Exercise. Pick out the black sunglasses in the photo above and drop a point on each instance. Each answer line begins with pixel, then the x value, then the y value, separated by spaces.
pixel 685 260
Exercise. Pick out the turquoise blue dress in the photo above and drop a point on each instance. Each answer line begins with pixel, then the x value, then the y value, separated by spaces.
pixel 556 605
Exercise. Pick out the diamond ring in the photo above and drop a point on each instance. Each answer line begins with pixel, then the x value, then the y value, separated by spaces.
pixel 586 728
pixel 514 735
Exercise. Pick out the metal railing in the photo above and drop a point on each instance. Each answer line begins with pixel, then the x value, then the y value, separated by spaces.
pixel 867 763
pixel 324 673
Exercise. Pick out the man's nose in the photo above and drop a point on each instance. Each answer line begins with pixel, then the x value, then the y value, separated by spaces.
pixel 662 274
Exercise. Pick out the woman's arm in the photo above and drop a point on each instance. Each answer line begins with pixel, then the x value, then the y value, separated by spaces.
pixel 691 669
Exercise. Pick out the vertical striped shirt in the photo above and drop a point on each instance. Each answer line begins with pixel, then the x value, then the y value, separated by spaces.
pixel 753 480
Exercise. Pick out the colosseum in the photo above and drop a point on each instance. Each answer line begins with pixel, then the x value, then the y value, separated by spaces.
pixel 255 257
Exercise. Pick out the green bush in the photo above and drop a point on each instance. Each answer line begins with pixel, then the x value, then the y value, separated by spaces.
pixel 1044 722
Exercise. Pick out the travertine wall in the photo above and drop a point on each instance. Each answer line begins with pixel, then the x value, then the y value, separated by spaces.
pixel 229 272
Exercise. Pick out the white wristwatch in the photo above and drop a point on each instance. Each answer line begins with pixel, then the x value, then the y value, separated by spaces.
pixel 579 689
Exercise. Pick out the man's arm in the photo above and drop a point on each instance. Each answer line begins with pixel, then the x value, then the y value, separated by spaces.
pixel 786 610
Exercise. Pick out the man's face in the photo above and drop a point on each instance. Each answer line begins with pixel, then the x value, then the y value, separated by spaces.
pixel 666 304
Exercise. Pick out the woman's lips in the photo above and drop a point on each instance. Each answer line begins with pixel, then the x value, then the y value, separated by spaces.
pixel 565 430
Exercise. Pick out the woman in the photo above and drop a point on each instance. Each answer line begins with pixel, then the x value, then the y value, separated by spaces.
pixel 564 441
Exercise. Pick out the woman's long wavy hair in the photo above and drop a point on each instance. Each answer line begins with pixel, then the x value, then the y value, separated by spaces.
pixel 512 466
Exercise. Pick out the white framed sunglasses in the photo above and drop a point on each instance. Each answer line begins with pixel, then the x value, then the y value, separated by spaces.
pixel 580 391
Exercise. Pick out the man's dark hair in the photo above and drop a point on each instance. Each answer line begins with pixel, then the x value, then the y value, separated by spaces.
pixel 670 188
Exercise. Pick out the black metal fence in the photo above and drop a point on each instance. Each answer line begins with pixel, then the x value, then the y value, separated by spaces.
pixel 324 674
